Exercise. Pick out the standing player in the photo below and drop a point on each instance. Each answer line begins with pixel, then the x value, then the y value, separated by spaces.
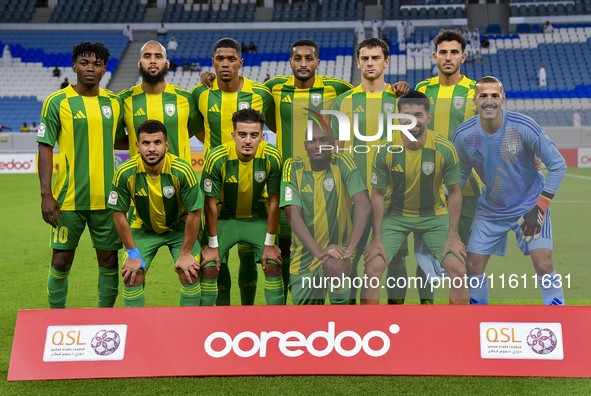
pixel 317 192
pixel 229 93
pixel 236 179
pixel 154 99
pixel 501 146
pixel 168 203
pixel 84 120
pixel 367 101
pixel 415 176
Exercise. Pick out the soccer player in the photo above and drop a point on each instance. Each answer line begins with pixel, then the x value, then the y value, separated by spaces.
pixel 236 179
pixel 415 175
pixel 500 146
pixel 229 93
pixel 87 124
pixel 372 97
pixel 155 99
pixel 168 204
pixel 317 191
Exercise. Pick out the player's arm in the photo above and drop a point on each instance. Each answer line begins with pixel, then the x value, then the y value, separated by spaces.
pixel 361 214
pixel 134 262
pixel 454 205
pixel 50 210
pixel 464 160
pixel 400 88
pixel 211 251
pixel 375 247
pixel 207 79
pixel 186 262
pixel 271 251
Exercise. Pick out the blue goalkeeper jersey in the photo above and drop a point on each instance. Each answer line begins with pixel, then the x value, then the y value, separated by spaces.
pixel 504 162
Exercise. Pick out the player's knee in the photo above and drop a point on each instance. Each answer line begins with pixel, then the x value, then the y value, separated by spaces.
pixel 544 265
pixel 209 272
pixel 186 281
pixel 62 260
pixel 140 276
pixel 376 267
pixel 454 268
pixel 336 267
pixel 108 259
pixel 272 269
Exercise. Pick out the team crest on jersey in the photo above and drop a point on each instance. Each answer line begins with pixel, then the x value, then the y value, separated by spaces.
pixel 243 105
pixel 170 109
pixel 459 102
pixel 512 148
pixel 329 184
pixel 316 98
pixel 260 176
pixel 388 108
pixel 168 191
pixel 107 111
pixel 428 168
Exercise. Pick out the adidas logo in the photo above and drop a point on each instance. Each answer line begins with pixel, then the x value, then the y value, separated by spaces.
pixel 287 99
pixel 308 189
pixel 398 168
pixel 359 109
pixel 432 101
pixel 214 108
pixel 141 193
pixel 79 115
pixel 477 153
pixel 232 179
pixel 140 112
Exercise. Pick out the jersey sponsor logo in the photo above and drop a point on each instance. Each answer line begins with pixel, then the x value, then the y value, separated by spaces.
pixel 374 178
pixel 168 191
pixel 329 184
pixel 139 112
pixel 80 115
pixel 388 108
pixel 428 168
pixel 169 109
pixel 359 109
pixel 113 196
pixel 41 130
pixel 459 102
pixel 107 111
pixel 141 193
pixel 207 185
pixel 243 105
pixel 232 179
pixel 307 189
pixel 287 99
pixel 214 109
pixel 316 98
pixel 398 168
pixel 288 194
pixel 260 176
pixel 512 148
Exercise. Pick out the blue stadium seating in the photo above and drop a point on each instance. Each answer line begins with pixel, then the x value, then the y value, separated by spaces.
pixel 16 110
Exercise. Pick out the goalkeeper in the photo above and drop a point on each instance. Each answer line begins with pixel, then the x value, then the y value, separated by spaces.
pixel 501 146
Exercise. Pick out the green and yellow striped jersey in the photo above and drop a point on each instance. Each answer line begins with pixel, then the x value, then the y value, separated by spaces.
pixel 162 203
pixel 325 199
pixel 367 107
pixel 241 187
pixel 450 106
pixel 414 178
pixel 217 108
pixel 85 129
pixel 174 107
pixel 290 103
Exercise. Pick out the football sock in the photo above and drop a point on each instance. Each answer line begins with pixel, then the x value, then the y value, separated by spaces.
pixel 286 261
pixel 209 292
pixel 354 273
pixel 478 289
pixel 224 285
pixel 247 274
pixel 57 288
pixel 108 286
pixel 134 296
pixel 274 289
pixel 190 295
pixel 551 288
pixel 340 295
pixel 426 295
pixel 396 270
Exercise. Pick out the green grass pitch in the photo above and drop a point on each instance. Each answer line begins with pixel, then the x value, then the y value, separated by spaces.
pixel 26 256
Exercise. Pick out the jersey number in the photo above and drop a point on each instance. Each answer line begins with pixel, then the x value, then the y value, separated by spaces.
pixel 62 234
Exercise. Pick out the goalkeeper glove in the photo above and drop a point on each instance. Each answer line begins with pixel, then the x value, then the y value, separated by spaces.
pixel 532 221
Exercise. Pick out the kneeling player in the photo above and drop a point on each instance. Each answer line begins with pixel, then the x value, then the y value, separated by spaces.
pixel 501 146
pixel 317 191
pixel 236 179
pixel 415 176
pixel 168 203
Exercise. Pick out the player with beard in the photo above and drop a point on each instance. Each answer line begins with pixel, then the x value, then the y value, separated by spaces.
pixel 155 99
pixel 168 203
pixel 415 176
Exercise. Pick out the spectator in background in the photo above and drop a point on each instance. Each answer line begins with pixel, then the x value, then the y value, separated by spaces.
pixel 195 67
pixel 542 75
pixel 478 57
pixel 173 45
pixel 267 78
pixel 186 66
pixel 485 43
pixel 548 28
pixel 162 31
pixel 65 84
pixel 400 33
pixel 244 47
pixel 375 29
pixel 408 30
pixel 360 32
pixel 57 72
pixel 34 127
pixel 386 39
pixel 5 128
pixel 577 118
pixel 128 33
pixel 476 38
pixel 25 128
pixel 252 49
pixel 173 66
pixel 7 57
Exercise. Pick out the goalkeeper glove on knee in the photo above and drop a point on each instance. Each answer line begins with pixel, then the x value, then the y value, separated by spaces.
pixel 532 221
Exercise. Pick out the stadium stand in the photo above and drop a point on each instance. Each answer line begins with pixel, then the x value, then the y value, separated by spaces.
pixel 431 9
pixel 333 10
pixel 91 11
pixel 16 11
pixel 186 11
pixel 546 8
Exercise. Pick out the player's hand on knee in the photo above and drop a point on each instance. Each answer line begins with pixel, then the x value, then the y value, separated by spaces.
pixel 455 246
pixel 130 268
pixel 333 251
pixel 209 254
pixel 271 252
pixel 50 210
pixel 188 266
pixel 207 79
pixel 372 250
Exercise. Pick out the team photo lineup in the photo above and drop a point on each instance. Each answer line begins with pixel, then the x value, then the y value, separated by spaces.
pixel 326 211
